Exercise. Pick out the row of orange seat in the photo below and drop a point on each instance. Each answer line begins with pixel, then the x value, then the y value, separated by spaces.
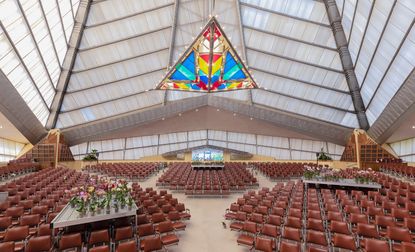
pixel 133 170
pixel 34 202
pixel 290 218
pixel 233 177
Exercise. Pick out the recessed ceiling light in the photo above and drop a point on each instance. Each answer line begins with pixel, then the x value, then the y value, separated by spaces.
pixel 1 126
pixel 180 114
pixel 251 118
pixel 217 109
pixel 413 126
pixel 162 118
pixel 196 110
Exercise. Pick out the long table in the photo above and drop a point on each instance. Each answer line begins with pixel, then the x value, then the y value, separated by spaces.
pixel 343 183
pixel 208 167
pixel 70 217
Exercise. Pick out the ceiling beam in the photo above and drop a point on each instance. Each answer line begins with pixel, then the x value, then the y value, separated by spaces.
pixel 24 65
pixel 284 14
pixel 49 32
pixel 80 50
pixel 300 81
pixel 69 61
pixel 342 45
pixel 15 109
pixel 92 86
pixel 268 90
pixel 390 64
pixel 36 44
pixel 243 42
pixel 377 44
pixel 396 112
pixel 364 32
pixel 119 61
pixel 290 38
pixel 61 22
pixel 128 16
pixel 295 60
pixel 172 42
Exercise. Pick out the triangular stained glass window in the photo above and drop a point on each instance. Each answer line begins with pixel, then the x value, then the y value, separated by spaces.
pixel 210 64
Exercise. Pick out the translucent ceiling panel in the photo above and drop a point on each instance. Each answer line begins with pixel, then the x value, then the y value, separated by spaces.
pixel 34 45
pixel 296 70
pixel 108 109
pixel 348 16
pixel 114 31
pixel 359 25
pixel 399 24
pixel 312 10
pixel 399 70
pixel 371 38
pixel 303 91
pixel 295 50
pixel 304 108
pixel 104 11
pixel 286 26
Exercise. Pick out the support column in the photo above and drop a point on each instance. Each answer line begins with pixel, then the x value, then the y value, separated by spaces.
pixel 342 46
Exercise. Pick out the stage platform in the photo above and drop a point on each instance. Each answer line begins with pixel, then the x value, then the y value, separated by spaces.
pixel 208 167
pixel 342 183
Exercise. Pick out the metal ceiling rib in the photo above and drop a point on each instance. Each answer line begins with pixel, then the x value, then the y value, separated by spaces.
pixel 61 86
pixel 401 106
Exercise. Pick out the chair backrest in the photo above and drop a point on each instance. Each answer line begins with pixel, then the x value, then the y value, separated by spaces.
pixel 250 227
pixel 123 233
pixel 18 233
pixel 99 236
pixel 5 222
pixel 174 216
pixel 408 247
pixel 289 247
pixel 315 224
pixel 103 248
pixel 344 241
pixel 339 227
pixel 7 246
pixel 70 241
pixel 146 229
pixel 373 245
pixel 44 229
pixel 39 244
pixel 270 230
pixel 384 221
pixel 316 237
pixel 263 244
pixel 157 217
pixel 291 234
pixel 15 212
pixel 165 227
pixel 30 220
pixel 367 230
pixel 274 220
pixel 129 246
pixel 151 244
pixel 398 234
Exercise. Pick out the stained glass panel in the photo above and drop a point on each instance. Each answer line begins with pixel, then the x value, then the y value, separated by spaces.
pixel 209 65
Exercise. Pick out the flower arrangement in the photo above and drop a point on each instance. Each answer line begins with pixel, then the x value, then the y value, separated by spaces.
pixel 100 194
pixel 311 172
pixel 363 176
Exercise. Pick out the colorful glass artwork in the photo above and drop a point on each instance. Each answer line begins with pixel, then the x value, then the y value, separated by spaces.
pixel 209 65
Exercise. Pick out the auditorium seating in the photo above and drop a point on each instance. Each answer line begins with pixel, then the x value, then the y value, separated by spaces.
pixel 280 171
pixel 399 169
pixel 290 217
pixel 233 177
pixel 131 171
pixel 17 167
